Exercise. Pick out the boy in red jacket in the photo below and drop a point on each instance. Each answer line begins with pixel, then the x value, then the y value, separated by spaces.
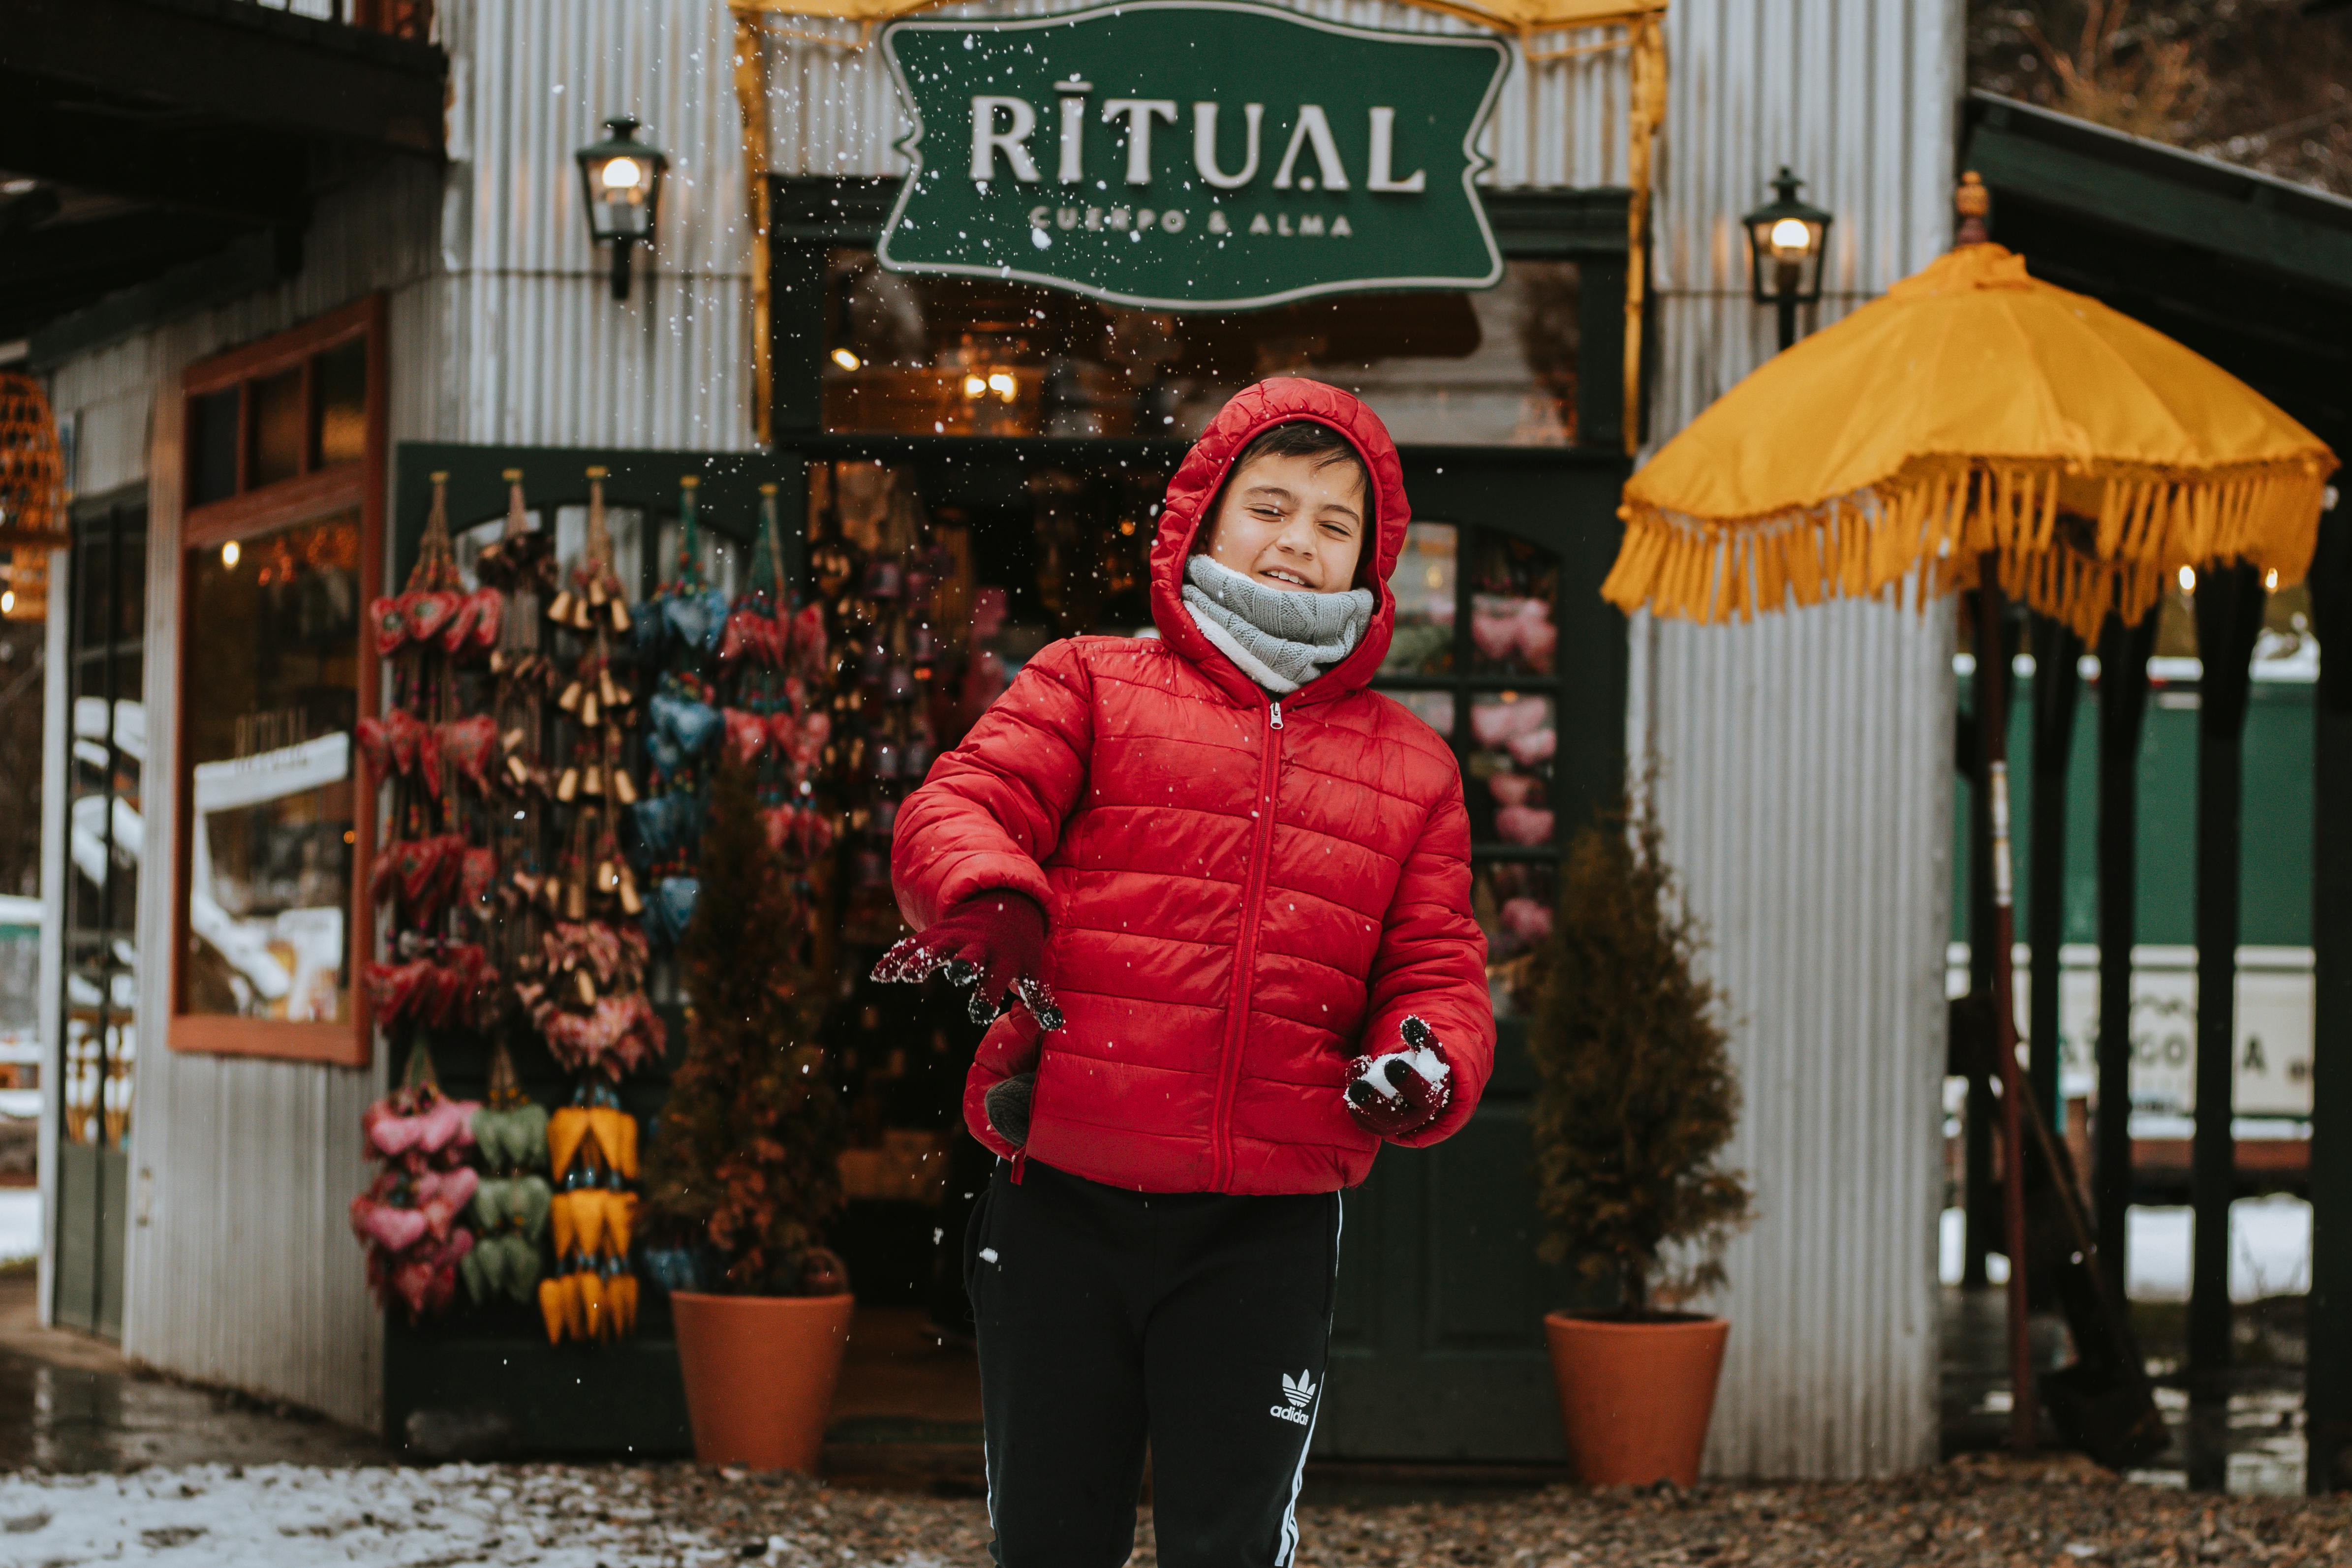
pixel 1215 895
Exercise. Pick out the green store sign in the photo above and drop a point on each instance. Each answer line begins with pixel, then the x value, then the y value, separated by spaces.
pixel 1193 155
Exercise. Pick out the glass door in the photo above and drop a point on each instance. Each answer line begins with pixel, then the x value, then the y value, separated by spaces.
pixel 1504 646
pixel 99 1054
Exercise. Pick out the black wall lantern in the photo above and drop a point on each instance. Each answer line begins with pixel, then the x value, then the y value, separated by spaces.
pixel 1786 242
pixel 621 178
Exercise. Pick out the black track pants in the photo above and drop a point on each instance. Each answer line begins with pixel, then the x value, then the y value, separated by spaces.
pixel 1198 1320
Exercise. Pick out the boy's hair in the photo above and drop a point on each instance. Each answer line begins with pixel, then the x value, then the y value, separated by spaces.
pixel 1302 438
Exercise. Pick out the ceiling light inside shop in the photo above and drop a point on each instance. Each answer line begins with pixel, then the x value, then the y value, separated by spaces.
pixel 1001 383
pixel 975 386
pixel 847 360
pixel 2188 579
pixel 7 601
pixel 228 555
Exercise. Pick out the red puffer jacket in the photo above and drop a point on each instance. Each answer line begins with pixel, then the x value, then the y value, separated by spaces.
pixel 1241 895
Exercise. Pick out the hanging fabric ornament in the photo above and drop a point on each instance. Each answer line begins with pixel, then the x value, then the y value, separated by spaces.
pixel 407 1219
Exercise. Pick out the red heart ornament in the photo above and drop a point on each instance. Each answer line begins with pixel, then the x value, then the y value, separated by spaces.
pixel 429 613
pixel 389 617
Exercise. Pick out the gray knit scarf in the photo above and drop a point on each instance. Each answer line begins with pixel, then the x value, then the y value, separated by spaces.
pixel 1280 638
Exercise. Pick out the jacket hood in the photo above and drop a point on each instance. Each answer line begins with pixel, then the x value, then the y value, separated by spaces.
pixel 1253 410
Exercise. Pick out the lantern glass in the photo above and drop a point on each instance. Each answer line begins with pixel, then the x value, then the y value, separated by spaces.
pixel 621 178
pixel 1787 240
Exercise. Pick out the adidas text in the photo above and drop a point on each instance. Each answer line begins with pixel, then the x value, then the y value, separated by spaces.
pixel 1285 1413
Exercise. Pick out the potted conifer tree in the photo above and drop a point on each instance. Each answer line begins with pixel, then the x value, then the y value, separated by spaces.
pixel 1635 1100
pixel 744 1174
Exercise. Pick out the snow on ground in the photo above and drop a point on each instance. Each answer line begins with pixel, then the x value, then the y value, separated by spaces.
pixel 548 1516
pixel 289 1516
pixel 20 1222
pixel 2270 1251
pixel 1973 1511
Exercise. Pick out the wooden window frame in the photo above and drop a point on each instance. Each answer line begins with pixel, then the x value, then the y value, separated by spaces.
pixel 312 494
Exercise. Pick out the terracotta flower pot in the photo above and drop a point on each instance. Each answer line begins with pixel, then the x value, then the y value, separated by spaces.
pixel 759 1374
pixel 1635 1398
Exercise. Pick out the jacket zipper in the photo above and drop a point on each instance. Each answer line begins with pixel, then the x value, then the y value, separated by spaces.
pixel 1246 955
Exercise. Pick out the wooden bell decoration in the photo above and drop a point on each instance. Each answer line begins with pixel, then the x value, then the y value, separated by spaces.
pixel 592 783
pixel 625 789
pixel 608 879
pixel 597 597
pixel 517 769
pixel 604 687
pixel 570 699
pixel 590 713
pixel 559 611
pixel 567 787
pixel 620 615
pixel 586 987
pixel 511 738
pixel 631 904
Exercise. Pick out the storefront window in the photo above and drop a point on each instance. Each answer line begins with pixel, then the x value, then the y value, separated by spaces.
pixel 268 744
pixel 1423 585
pixel 278 562
pixel 104 827
pixel 953 356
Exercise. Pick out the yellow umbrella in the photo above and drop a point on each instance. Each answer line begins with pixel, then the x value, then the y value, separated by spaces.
pixel 1974 409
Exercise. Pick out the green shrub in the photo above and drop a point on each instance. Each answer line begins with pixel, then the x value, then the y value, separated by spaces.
pixel 1636 1095
pixel 746 1167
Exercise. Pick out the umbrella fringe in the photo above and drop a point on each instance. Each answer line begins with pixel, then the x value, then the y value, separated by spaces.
pixel 1932 523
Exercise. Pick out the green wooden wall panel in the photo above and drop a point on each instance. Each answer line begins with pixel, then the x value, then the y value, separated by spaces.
pixel 2276 874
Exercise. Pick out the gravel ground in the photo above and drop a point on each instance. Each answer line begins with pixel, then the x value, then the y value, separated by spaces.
pixel 1973 1512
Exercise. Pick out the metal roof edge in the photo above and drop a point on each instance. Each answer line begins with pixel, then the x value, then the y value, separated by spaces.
pixel 2300 237
pixel 2123 148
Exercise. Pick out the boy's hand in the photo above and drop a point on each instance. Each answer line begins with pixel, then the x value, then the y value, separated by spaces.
pixel 993 942
pixel 1401 1092
pixel 1008 1107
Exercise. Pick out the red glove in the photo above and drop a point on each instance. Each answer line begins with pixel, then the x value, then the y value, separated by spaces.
pixel 993 942
pixel 1401 1092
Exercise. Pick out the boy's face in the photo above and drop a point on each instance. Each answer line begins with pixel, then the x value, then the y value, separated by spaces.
pixel 1291 522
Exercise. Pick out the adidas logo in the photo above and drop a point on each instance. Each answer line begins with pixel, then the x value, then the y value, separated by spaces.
pixel 1300 1393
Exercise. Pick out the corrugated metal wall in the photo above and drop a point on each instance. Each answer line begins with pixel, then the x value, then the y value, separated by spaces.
pixel 534 348
pixel 242 1269
pixel 1807 759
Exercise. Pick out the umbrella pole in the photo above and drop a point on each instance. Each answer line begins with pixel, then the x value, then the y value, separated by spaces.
pixel 2228 618
pixel 2123 710
pixel 2057 688
pixel 1992 690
